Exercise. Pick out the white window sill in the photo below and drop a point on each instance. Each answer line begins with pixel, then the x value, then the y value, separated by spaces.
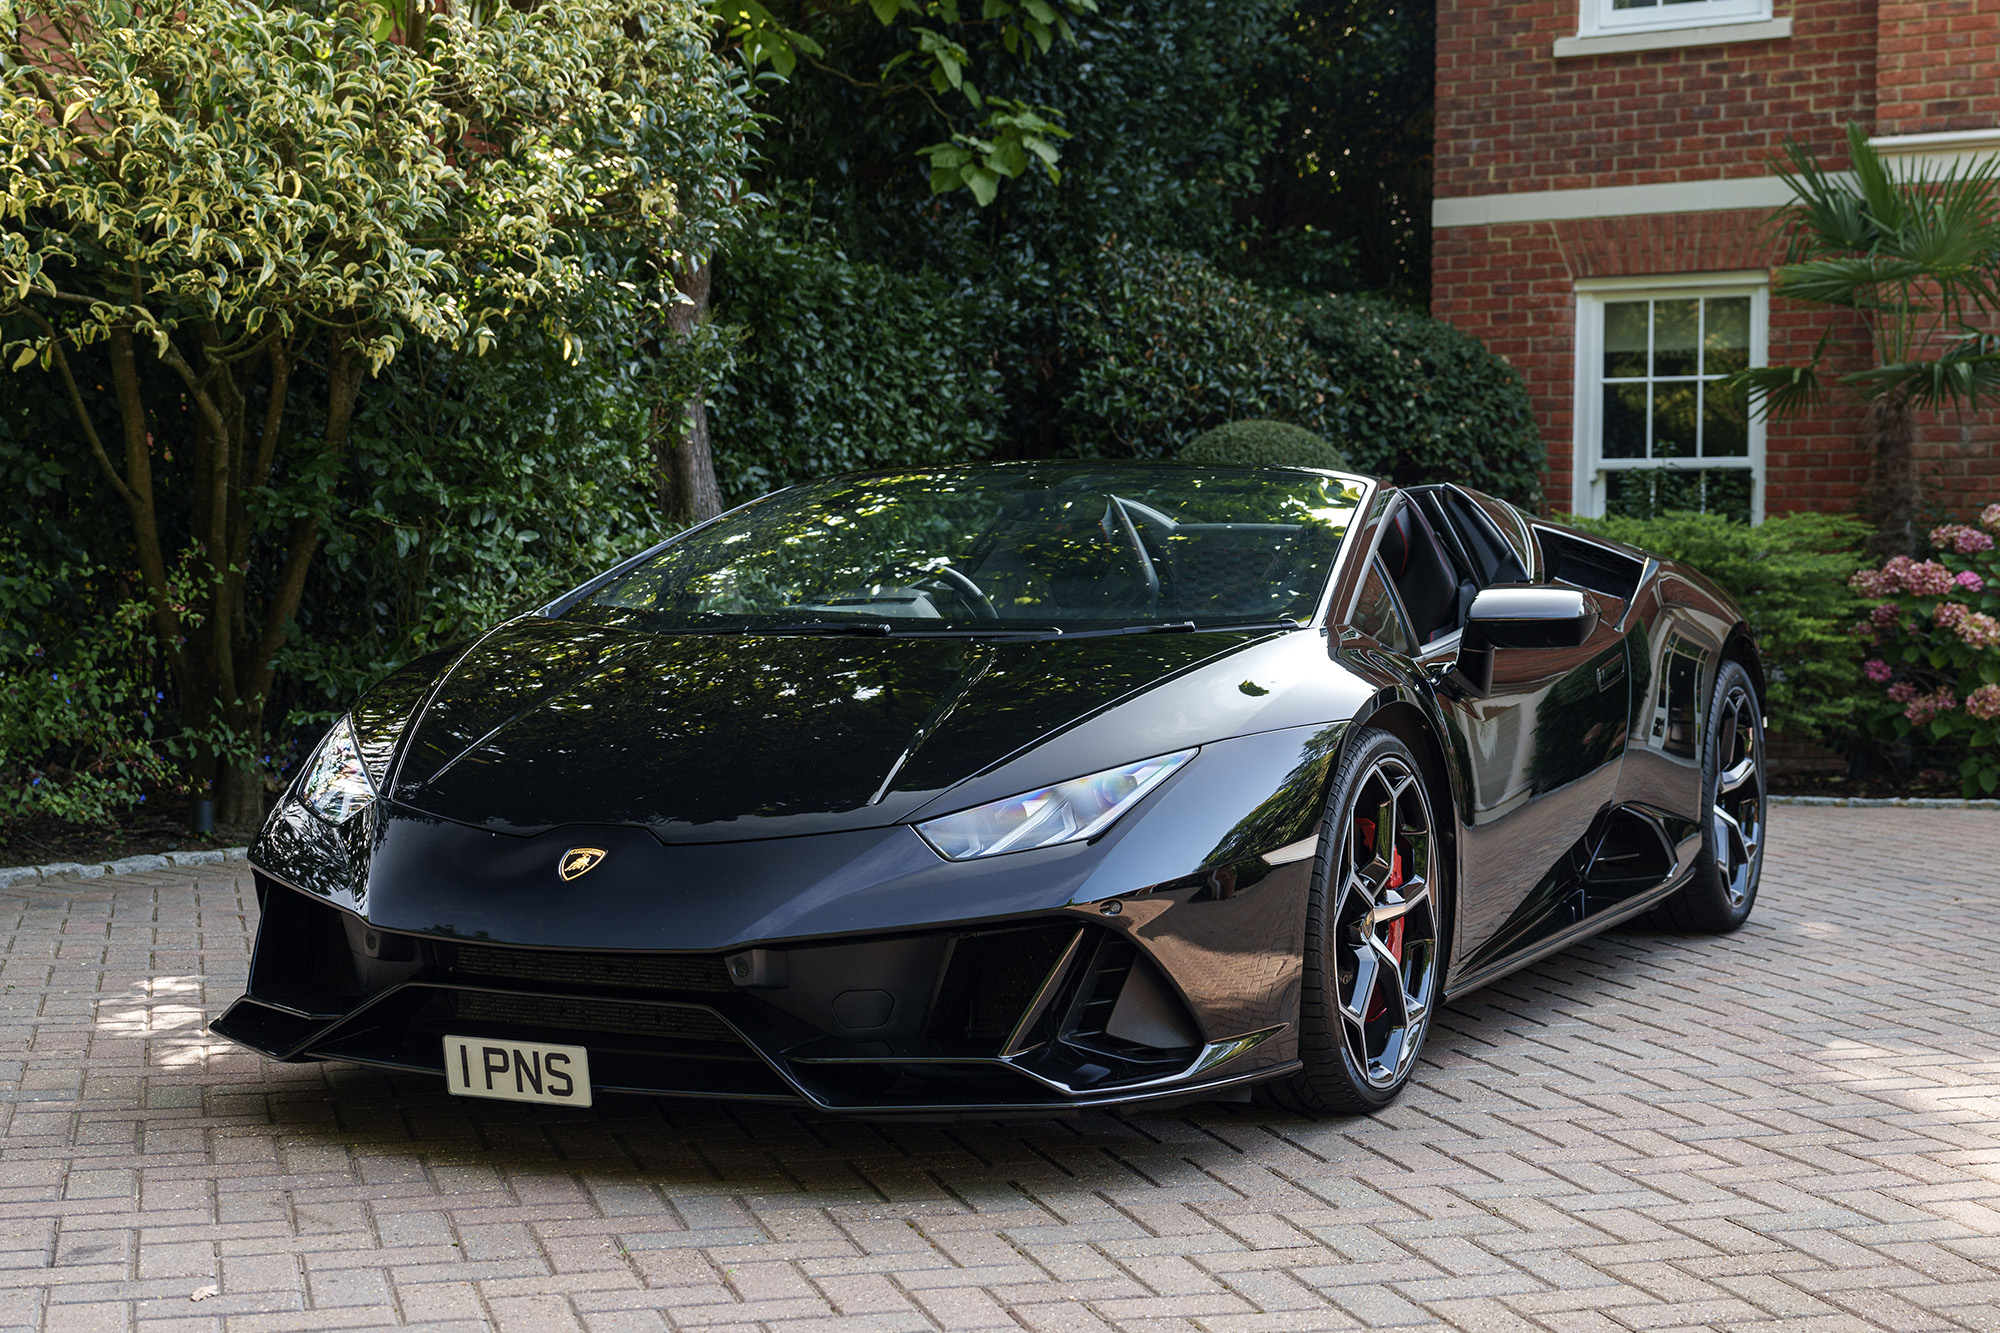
pixel 1672 39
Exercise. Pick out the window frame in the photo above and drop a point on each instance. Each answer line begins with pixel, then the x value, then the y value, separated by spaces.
pixel 1599 19
pixel 1592 296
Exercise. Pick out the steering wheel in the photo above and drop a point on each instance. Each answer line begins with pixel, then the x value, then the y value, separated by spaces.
pixel 982 605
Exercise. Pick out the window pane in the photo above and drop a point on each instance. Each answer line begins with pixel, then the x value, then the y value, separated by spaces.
pixel 1633 4
pixel 1676 490
pixel 1624 339
pixel 1728 493
pixel 1726 348
pixel 1725 421
pixel 1650 493
pixel 1375 614
pixel 1673 420
pixel 1629 494
pixel 1675 328
pixel 1624 421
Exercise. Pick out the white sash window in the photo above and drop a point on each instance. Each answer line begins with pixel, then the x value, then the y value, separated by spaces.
pixel 1656 428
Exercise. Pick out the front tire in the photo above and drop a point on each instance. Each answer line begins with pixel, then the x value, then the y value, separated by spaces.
pixel 1723 888
pixel 1374 956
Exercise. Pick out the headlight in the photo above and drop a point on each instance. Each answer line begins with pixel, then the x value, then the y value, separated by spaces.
pixel 1066 812
pixel 336 785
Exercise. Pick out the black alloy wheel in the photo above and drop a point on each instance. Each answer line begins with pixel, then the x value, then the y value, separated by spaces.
pixel 1374 955
pixel 1723 888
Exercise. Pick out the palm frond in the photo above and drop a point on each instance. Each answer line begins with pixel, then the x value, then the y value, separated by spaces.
pixel 1827 216
pixel 1961 377
pixel 1887 204
pixel 1779 392
pixel 1846 281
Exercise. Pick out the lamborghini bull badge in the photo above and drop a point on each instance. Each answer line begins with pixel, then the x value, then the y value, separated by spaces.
pixel 580 861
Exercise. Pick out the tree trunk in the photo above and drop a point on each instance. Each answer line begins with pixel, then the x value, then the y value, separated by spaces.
pixel 239 795
pixel 682 460
pixel 1894 494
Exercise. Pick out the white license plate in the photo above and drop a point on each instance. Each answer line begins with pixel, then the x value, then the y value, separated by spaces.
pixel 517 1071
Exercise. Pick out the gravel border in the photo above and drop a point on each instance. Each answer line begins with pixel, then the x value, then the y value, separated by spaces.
pixel 130 865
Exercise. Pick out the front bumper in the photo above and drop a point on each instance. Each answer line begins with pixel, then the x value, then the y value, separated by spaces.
pixel 1038 1015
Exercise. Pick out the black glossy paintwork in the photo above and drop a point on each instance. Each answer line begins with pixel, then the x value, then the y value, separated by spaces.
pixel 762 792
pixel 711 737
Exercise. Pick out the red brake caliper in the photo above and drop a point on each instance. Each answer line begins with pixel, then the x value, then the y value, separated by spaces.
pixel 1380 1006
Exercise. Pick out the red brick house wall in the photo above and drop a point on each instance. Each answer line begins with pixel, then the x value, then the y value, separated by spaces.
pixel 1518 127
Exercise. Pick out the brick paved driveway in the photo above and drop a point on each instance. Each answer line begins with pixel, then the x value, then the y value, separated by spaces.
pixel 1795 1127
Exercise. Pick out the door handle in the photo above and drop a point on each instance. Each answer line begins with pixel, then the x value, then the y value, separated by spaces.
pixel 1610 673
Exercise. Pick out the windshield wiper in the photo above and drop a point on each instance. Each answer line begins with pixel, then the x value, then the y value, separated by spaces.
pixel 1188 627
pixel 867 628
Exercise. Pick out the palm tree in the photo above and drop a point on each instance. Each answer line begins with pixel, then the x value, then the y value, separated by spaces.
pixel 1914 257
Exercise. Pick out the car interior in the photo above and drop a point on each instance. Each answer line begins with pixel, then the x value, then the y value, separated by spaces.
pixel 1439 550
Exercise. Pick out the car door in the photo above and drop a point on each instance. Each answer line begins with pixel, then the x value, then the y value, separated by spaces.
pixel 1542 753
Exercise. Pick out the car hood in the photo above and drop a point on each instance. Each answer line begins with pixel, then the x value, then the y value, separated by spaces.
pixel 707 737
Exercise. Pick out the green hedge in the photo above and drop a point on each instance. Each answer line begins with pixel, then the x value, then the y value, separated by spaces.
pixel 845 366
pixel 1790 574
pixel 1425 402
pixel 1157 346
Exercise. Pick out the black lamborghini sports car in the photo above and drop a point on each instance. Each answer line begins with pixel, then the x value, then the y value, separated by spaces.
pixel 1014 787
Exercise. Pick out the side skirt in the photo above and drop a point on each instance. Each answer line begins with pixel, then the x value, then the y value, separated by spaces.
pixel 1556 943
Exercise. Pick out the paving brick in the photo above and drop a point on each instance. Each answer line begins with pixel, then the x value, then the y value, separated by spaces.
pixel 1790 1128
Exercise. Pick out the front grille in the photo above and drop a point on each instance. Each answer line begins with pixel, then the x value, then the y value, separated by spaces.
pixel 679 1023
pixel 992 978
pixel 701 974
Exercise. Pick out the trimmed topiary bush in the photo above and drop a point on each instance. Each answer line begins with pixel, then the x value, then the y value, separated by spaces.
pixel 1261 443
pixel 1423 401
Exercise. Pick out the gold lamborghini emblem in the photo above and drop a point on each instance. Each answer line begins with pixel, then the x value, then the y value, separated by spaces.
pixel 580 860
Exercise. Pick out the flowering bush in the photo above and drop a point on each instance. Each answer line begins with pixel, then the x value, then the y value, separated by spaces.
pixel 1934 639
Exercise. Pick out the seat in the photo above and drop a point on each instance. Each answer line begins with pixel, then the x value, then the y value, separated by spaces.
pixel 1434 593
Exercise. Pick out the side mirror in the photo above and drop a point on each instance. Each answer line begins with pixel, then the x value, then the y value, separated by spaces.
pixel 1520 615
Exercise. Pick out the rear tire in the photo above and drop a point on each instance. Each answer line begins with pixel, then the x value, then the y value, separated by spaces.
pixel 1374 957
pixel 1723 888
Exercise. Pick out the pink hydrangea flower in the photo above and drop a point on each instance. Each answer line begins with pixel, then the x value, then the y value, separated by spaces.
pixel 1979 630
pixel 1902 692
pixel 1970 581
pixel 1884 615
pixel 1878 670
pixel 1948 614
pixel 1958 537
pixel 1984 703
pixel 1989 518
pixel 1925 707
pixel 1929 579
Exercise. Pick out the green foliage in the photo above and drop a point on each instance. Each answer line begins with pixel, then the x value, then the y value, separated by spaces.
pixel 77 711
pixel 1935 633
pixel 205 204
pixel 1423 401
pixel 992 138
pixel 1158 346
pixel 258 169
pixel 1343 199
pixel 1139 168
pixel 1258 443
pixel 845 366
pixel 1788 573
pixel 1910 253
pixel 478 487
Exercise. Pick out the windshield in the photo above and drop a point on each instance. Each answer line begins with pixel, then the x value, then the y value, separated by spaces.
pixel 1024 547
